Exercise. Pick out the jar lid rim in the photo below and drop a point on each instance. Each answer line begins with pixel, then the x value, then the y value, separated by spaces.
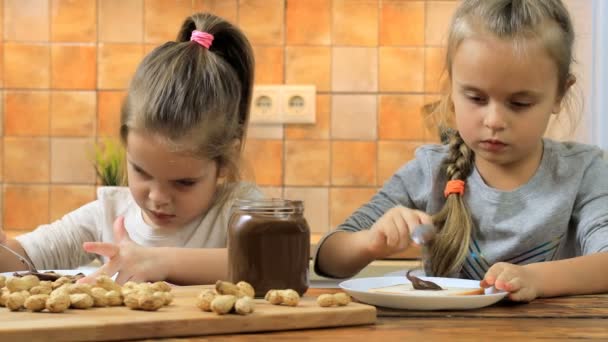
pixel 268 204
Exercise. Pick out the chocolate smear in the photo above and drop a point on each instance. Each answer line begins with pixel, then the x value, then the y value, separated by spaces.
pixel 420 284
pixel 52 276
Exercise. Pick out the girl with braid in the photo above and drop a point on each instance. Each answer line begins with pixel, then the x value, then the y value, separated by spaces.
pixel 517 211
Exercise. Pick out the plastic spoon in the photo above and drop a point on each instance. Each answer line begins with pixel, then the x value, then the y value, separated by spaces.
pixel 423 233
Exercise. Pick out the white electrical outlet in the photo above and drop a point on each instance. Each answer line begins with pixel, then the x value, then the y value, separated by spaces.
pixel 265 104
pixel 298 103
pixel 283 104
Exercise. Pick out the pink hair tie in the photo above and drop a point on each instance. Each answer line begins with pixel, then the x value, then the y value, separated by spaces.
pixel 203 38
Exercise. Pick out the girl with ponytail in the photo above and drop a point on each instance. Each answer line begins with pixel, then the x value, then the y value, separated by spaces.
pixel 183 125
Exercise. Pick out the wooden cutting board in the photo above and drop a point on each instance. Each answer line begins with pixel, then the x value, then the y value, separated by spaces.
pixel 181 318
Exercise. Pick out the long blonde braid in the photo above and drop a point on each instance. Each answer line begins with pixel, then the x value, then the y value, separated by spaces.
pixel 448 251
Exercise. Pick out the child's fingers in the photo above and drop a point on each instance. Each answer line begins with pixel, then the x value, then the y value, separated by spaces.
pixel 515 296
pixel 403 232
pixel 375 242
pixel 525 294
pixel 413 218
pixel 123 277
pixel 424 217
pixel 514 284
pixel 504 279
pixel 489 279
pixel 378 239
pixel 108 250
pixel 108 269
pixel 503 285
pixel 409 219
pixel 120 231
pixel 395 229
pixel 90 279
pixel 417 217
pixel 402 220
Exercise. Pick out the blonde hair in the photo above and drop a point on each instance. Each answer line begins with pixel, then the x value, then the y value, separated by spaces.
pixel 197 99
pixel 519 21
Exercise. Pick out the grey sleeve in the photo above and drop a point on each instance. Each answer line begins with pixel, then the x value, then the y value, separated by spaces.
pixel 590 215
pixel 408 187
pixel 59 245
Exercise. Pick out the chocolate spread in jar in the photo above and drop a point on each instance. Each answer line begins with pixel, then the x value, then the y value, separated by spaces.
pixel 269 245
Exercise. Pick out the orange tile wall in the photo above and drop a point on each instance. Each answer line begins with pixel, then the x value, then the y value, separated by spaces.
pixel 65 64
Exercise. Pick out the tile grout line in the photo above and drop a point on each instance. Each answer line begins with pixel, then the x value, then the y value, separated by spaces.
pixel 331 114
pixel 284 138
pixel 2 93
pixel 48 109
pixel 97 50
pixel 2 98
pixel 377 95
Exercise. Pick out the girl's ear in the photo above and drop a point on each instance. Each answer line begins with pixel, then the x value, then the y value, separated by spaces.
pixel 557 107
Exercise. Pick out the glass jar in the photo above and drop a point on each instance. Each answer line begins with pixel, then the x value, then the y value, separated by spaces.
pixel 269 245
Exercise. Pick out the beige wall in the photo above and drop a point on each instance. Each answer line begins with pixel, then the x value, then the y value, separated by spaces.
pixel 66 64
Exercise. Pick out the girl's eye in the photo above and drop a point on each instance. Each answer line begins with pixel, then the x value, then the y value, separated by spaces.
pixel 520 104
pixel 476 98
pixel 139 171
pixel 185 183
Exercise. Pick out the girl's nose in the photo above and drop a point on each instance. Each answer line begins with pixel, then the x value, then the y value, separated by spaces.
pixel 494 118
pixel 159 196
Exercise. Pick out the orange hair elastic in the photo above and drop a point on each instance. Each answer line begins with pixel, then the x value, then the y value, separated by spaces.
pixel 455 186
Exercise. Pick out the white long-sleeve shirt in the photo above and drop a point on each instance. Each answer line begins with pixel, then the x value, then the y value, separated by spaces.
pixel 59 245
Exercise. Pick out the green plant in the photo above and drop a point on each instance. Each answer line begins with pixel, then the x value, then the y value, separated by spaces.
pixel 109 162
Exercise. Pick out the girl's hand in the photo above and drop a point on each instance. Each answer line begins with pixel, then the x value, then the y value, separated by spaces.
pixel 391 233
pixel 519 281
pixel 131 261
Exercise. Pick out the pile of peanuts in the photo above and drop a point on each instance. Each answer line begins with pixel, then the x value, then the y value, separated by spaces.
pixel 291 298
pixel 227 297
pixel 30 293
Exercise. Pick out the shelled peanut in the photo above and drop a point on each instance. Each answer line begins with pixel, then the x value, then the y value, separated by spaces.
pixel 287 297
pixel 336 299
pixel 227 297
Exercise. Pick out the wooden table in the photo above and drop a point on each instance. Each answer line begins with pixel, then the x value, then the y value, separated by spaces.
pixel 578 317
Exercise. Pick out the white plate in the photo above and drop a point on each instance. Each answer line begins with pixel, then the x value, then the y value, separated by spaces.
pixel 359 289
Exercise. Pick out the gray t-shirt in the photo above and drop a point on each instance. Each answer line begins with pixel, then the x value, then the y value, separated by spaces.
pixel 561 212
